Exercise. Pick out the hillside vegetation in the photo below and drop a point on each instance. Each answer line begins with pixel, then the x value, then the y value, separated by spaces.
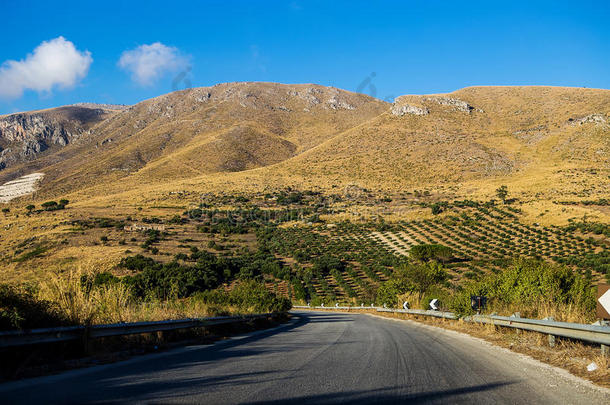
pixel 320 194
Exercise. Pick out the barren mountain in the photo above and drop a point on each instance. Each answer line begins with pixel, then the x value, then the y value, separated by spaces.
pixel 549 140
pixel 474 134
pixel 225 128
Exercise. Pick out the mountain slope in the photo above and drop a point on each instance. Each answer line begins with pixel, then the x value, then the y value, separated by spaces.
pixel 545 142
pixel 27 136
pixel 369 160
pixel 472 135
pixel 225 128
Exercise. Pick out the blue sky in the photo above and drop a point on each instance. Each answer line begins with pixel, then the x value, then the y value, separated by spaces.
pixel 412 47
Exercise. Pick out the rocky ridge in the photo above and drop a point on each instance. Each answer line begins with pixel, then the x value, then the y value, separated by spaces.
pixel 24 136
pixel 598 119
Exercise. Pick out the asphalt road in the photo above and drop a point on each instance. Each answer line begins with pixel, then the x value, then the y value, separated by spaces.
pixel 320 358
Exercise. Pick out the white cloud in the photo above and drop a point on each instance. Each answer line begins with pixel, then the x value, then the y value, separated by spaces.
pixel 53 63
pixel 147 63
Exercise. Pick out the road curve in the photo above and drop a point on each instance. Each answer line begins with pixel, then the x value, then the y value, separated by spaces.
pixel 320 358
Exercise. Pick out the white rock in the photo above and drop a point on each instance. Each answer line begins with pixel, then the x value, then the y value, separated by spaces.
pixel 403 109
pixel 593 119
pixel 459 105
pixel 22 186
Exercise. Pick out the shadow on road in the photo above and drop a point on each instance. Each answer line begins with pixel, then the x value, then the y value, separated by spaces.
pixel 140 376
pixel 181 375
pixel 391 395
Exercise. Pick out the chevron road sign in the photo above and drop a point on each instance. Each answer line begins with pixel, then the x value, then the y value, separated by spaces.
pixel 603 301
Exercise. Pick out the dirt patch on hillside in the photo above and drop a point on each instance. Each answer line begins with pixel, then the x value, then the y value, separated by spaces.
pixel 24 185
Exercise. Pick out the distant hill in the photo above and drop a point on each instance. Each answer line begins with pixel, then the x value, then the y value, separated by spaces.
pixel 225 128
pixel 543 136
pixel 549 142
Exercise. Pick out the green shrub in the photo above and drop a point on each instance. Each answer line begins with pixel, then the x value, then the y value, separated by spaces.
pixel 99 279
pixel 54 206
pixel 249 296
pixel 418 278
pixel 436 252
pixel 174 280
pixel 177 220
pixel 181 256
pixel 527 283
pixel 137 263
pixel 38 250
pixel 438 207
pixel 325 264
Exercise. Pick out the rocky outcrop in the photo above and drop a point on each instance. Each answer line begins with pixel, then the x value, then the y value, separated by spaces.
pixel 274 96
pixel 335 103
pixel 27 127
pixel 309 95
pixel 23 136
pixel 113 107
pixel 457 104
pixel 424 105
pixel 598 119
pixel 244 99
pixel 402 109
pixel 248 96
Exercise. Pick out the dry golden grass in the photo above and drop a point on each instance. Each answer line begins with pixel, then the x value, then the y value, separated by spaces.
pixel 113 303
pixel 545 309
pixel 225 128
pixel 415 300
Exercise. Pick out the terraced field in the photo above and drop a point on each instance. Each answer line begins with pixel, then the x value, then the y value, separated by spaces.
pixel 306 254
pixel 483 239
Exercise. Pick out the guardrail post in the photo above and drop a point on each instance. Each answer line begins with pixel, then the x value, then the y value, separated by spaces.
pixel 551 337
pixel 605 349
pixel 517 315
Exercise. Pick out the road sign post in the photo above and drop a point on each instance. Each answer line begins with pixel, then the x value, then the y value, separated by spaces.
pixel 478 302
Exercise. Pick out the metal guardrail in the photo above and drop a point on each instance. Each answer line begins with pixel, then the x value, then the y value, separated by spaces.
pixel 588 333
pixel 436 314
pixel 62 334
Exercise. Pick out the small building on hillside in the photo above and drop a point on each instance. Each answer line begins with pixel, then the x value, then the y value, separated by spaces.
pixel 144 227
